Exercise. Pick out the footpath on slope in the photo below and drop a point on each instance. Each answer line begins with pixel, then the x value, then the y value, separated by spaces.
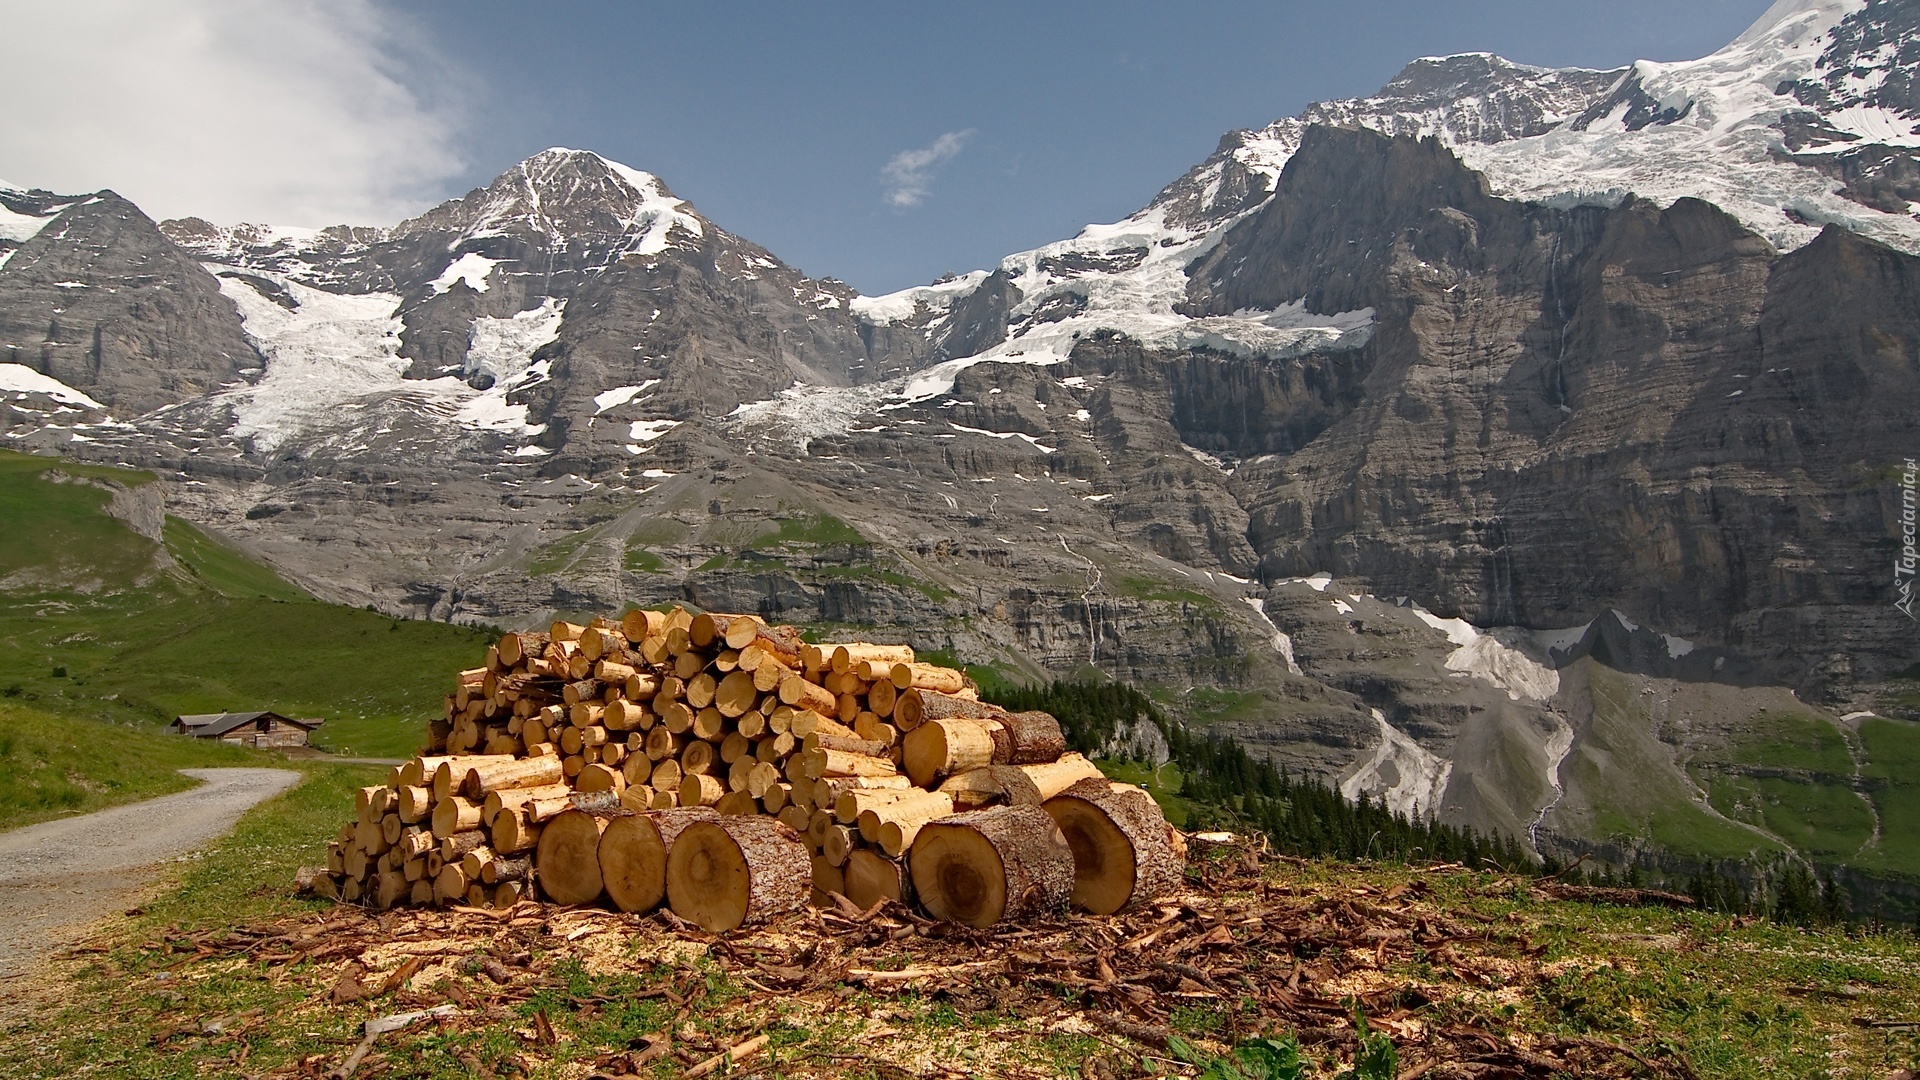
pixel 58 878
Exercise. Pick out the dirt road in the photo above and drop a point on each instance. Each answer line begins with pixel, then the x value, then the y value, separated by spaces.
pixel 58 878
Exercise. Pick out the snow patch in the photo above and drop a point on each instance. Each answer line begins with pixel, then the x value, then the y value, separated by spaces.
pixel 1282 644
pixel 648 430
pixel 1402 775
pixel 1494 656
pixel 620 395
pixel 470 268
pixel 21 379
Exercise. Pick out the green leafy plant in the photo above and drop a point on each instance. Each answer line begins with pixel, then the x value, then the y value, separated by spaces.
pixel 1374 1059
pixel 1255 1059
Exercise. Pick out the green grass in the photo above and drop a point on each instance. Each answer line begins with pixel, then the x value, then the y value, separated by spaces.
pixel 72 541
pixel 1640 792
pixel 811 530
pixel 1893 755
pixel 1146 588
pixel 559 555
pixel 51 766
pixel 222 569
pixel 641 561
pixel 1163 783
pixel 136 641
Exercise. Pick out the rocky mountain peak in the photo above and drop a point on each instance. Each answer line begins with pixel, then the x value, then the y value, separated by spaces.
pixel 568 198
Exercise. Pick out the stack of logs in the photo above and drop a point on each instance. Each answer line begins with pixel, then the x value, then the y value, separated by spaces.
pixel 736 772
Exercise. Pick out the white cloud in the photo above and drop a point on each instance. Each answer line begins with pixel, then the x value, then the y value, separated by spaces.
pixel 908 173
pixel 287 113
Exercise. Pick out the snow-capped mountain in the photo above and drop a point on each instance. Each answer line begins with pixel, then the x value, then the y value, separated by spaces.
pixel 1520 346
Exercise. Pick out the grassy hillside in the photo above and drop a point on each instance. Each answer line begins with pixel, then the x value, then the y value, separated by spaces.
pixel 104 623
pixel 53 766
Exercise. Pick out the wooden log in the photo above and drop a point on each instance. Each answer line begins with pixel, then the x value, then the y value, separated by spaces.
pixel 1033 785
pixel 736 804
pixel 826 791
pixel 942 680
pixel 517 798
pixel 762 777
pixel 700 690
pixel 775 797
pixel 724 631
pixel 603 644
pixel 455 815
pixel 640 624
pixel 418 772
pixel 451 773
pixel 601 778
pixel 736 694
pixel 882 698
pixel 916 707
pixel 637 768
pixel 643 686
pixel 450 887
pixel 482 780
pixel 837 843
pixel 517 647
pixel 836 763
pixel 978 868
pixel 795 817
pixel 416 804
pixel 844 657
pixel 663 743
pixel 726 872
pixel 1122 854
pixel 939 748
pixel 796 691
pixel 709 724
pixel 871 877
pixel 676 717
pixel 568 855
pixel 454 846
pixel 1028 738
pixel 666 775
pixel 633 855
pixel 854 745
pixel 736 746
pixel 372 803
pixel 827 880
pixel 514 831
pixel 699 789
pixel 973 789
pixel 897 824
pixel 807 723
pixel 700 756
pixel 848 806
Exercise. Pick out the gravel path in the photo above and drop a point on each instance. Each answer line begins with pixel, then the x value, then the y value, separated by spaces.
pixel 60 877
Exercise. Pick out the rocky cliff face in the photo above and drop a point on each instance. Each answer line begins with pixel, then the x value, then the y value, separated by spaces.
pixel 1644 405
pixel 97 298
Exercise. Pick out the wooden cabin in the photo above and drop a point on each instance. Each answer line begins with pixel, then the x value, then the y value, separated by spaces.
pixel 264 729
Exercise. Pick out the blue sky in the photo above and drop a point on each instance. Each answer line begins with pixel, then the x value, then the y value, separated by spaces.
pixel 777 121
pixel 1021 122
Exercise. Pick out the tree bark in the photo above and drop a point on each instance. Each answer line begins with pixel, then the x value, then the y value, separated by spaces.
pixel 977 868
pixel 729 871
pixel 1122 851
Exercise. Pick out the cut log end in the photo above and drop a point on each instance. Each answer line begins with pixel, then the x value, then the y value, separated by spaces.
pixel 726 872
pixel 980 867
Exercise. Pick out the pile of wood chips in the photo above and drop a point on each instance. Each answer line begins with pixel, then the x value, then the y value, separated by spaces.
pixel 736 772
pixel 1265 955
